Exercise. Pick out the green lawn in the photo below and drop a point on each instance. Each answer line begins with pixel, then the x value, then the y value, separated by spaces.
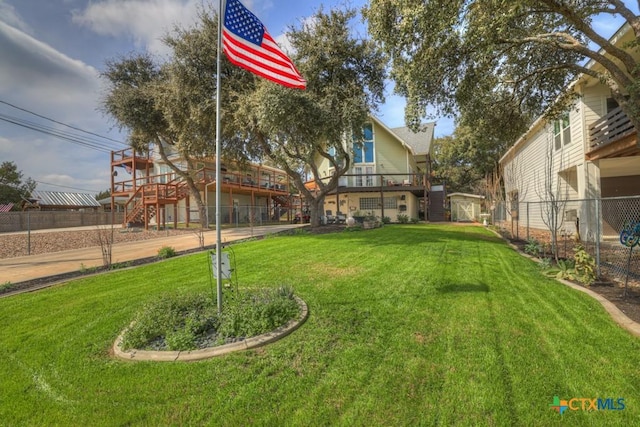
pixel 409 325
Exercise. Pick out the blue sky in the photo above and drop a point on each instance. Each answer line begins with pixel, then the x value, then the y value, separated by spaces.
pixel 52 52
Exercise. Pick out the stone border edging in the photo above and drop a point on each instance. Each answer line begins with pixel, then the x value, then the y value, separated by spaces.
pixel 616 314
pixel 206 353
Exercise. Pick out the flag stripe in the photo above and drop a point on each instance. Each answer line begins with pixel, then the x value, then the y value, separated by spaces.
pixel 247 44
pixel 263 72
pixel 264 56
pixel 257 61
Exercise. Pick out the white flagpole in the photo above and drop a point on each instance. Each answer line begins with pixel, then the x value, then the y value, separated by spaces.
pixel 218 180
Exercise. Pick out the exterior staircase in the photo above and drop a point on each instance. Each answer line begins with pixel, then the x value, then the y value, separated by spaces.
pixel 148 197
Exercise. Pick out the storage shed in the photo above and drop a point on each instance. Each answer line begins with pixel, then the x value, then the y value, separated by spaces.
pixel 465 207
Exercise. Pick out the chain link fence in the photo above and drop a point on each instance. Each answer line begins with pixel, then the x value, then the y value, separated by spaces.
pixel 238 215
pixel 594 223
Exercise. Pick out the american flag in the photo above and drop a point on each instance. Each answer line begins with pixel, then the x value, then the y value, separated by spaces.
pixel 247 44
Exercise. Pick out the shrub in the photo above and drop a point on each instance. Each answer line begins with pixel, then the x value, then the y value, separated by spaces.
pixel 532 247
pixel 386 220
pixel 545 263
pixel 564 270
pixel 403 219
pixel 255 313
pixel 183 321
pixel 176 319
pixel 414 220
pixel 585 265
pixel 166 252
pixel 6 286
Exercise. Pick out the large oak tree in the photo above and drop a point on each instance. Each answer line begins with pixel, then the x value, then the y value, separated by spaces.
pixel 294 129
pixel 173 104
pixel 510 59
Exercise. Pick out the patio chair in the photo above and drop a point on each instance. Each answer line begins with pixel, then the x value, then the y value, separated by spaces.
pixel 330 218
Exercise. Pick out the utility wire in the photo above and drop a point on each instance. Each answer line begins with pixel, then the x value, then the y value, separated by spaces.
pixel 66 186
pixel 63 124
pixel 76 139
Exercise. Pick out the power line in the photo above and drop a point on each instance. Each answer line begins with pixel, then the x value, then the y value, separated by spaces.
pixel 60 123
pixel 66 186
pixel 76 139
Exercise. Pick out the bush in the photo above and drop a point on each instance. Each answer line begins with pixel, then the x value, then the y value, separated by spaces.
pixel 250 314
pixel 414 220
pixel 183 321
pixel 532 247
pixel 386 220
pixel 403 219
pixel 585 265
pixel 166 252
pixel 176 319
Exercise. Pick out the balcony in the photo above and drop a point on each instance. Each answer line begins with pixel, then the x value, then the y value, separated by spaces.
pixel 611 136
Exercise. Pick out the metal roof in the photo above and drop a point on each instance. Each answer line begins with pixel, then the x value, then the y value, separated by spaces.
pixel 58 198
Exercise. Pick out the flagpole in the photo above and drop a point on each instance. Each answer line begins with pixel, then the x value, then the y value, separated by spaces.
pixel 218 180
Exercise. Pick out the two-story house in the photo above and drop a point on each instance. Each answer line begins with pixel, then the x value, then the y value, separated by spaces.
pixel 591 152
pixel 151 193
pixel 389 176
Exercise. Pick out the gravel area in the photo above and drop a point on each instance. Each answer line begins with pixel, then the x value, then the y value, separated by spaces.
pixel 14 245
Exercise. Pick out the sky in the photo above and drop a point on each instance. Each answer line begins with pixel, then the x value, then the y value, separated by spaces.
pixel 51 55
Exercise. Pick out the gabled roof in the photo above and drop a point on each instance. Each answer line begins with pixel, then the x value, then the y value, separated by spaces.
pixel 420 142
pixel 57 198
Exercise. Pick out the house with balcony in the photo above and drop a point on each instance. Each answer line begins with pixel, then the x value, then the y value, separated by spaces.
pixel 150 193
pixel 389 176
pixel 591 152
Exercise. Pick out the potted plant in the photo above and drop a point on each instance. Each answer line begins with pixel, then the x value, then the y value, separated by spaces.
pixel 358 217
pixel 370 221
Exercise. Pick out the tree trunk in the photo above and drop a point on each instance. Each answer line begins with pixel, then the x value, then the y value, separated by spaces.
pixel 314 207
pixel 193 190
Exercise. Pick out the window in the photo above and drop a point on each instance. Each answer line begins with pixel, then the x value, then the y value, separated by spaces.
pixel 366 180
pixel 562 131
pixel 372 203
pixel 363 151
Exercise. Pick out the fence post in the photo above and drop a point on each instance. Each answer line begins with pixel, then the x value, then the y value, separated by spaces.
pixel 598 202
pixel 28 232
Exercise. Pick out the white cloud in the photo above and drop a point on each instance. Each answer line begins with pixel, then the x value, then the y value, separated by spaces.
pixel 144 21
pixel 43 76
pixel 9 16
pixel 38 78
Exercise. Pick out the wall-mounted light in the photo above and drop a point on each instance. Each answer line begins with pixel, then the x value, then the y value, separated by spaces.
pixel 403 197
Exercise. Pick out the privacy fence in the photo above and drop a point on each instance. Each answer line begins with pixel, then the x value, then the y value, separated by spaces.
pixel 594 223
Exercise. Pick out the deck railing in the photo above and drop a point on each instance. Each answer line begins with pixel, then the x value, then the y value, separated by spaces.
pixel 610 128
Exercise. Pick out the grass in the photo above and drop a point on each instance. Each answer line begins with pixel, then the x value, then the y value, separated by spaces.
pixel 409 325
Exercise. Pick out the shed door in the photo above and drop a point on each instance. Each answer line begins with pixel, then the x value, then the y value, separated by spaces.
pixel 465 211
